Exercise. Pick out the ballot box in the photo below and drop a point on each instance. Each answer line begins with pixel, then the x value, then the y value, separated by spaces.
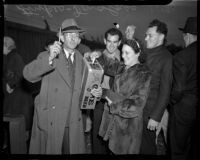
pixel 17 133
pixel 92 77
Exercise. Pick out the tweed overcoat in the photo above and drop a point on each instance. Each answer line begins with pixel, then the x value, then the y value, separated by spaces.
pixel 122 121
pixel 56 101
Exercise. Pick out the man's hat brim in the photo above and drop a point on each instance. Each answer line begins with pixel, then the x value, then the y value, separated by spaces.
pixel 72 29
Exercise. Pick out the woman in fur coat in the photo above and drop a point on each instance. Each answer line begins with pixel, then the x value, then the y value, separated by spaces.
pixel 121 123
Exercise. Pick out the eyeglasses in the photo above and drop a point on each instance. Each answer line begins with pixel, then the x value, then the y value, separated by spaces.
pixel 72 35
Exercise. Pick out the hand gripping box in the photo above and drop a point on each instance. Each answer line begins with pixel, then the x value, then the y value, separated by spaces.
pixel 92 77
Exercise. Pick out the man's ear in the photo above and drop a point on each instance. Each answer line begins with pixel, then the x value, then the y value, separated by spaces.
pixel 104 41
pixel 162 37
pixel 119 43
pixel 79 41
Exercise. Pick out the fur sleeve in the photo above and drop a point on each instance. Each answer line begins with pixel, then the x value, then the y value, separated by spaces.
pixel 131 106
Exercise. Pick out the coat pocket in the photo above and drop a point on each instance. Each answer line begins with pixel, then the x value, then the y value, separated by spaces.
pixel 42 115
pixel 42 118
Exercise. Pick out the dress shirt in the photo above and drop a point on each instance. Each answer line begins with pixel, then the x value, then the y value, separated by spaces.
pixel 67 55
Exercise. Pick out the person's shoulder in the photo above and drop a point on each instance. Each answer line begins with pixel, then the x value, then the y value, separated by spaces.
pixel 167 53
pixel 143 72
pixel 82 48
pixel 144 68
pixel 78 53
pixel 43 54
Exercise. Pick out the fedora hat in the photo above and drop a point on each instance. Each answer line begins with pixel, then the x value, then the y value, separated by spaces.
pixel 190 26
pixel 70 25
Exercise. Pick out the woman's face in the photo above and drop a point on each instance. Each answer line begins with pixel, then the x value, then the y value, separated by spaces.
pixel 129 55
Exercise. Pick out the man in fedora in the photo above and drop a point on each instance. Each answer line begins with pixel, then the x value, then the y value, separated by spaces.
pixel 58 122
pixel 184 94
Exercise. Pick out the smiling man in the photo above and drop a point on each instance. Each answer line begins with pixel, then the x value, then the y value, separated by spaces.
pixel 112 40
pixel 159 60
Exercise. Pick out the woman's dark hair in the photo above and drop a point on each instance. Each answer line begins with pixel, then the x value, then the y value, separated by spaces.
pixel 137 47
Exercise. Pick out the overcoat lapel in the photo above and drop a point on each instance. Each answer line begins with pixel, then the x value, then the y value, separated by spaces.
pixel 61 66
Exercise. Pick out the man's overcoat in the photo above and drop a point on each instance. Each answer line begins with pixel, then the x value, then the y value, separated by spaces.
pixel 56 101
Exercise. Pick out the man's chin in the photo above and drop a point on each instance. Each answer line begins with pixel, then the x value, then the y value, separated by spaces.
pixel 111 52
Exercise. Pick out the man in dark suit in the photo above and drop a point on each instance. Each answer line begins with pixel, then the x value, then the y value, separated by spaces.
pixel 159 60
pixel 184 93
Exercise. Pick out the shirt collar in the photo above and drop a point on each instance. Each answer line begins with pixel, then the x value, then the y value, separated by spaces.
pixel 67 53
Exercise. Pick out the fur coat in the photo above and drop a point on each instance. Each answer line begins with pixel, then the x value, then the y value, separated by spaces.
pixel 122 121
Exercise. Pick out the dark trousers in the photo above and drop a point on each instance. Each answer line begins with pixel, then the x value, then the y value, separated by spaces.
pixel 99 145
pixel 148 144
pixel 65 145
pixel 180 135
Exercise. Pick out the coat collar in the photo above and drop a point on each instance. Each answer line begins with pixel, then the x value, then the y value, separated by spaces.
pixel 155 50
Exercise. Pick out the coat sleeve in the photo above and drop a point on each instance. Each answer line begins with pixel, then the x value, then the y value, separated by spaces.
pixel 179 79
pixel 15 75
pixel 164 90
pixel 129 107
pixel 35 70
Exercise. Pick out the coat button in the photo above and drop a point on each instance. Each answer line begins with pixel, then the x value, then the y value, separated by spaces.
pixel 79 119
pixel 56 89
pixel 53 107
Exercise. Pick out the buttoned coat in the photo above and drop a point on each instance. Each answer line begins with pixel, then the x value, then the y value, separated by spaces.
pixel 184 92
pixel 56 101
pixel 159 60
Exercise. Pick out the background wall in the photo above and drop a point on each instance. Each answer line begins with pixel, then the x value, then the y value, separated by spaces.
pixel 97 19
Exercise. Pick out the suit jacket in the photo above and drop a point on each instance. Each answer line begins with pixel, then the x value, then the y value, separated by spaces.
pixel 122 122
pixel 184 91
pixel 159 60
pixel 56 101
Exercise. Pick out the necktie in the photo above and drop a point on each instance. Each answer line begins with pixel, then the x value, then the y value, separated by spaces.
pixel 70 60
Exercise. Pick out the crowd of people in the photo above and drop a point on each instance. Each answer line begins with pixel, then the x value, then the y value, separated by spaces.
pixel 144 90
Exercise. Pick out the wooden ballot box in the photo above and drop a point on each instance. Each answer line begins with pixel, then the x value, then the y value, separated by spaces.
pixel 17 133
pixel 92 77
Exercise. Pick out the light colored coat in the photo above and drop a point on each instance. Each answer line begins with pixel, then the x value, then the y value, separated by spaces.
pixel 52 105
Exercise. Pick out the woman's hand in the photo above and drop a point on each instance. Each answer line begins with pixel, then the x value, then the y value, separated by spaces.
pixel 97 92
pixel 109 101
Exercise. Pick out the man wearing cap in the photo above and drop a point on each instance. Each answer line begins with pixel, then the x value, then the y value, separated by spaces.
pixel 58 122
pixel 184 93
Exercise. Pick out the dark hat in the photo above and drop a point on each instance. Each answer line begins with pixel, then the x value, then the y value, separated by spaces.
pixel 70 25
pixel 190 26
